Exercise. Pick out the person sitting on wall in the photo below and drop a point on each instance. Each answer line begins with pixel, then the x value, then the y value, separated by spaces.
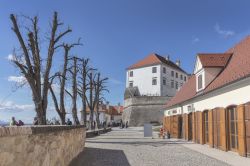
pixel 20 123
pixel 35 122
pixel 13 122
pixel 69 122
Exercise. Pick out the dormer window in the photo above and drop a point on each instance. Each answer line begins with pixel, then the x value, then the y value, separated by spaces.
pixel 200 79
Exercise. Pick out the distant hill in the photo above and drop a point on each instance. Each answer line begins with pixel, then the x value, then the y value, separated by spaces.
pixel 3 123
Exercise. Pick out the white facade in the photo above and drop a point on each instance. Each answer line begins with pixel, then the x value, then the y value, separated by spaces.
pixel 143 78
pixel 233 94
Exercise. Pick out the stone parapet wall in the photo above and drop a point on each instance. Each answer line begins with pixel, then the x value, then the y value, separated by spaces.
pixel 146 100
pixel 144 109
pixel 40 145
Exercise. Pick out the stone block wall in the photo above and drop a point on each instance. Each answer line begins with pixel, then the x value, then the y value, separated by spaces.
pixel 144 109
pixel 40 145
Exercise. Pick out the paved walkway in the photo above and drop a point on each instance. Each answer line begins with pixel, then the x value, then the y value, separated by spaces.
pixel 128 147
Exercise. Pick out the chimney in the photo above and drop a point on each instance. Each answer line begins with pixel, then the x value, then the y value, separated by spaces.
pixel 167 57
pixel 178 63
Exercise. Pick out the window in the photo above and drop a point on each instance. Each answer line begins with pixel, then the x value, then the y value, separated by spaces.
pixel 172 83
pixel 233 128
pixel 154 70
pixel 200 82
pixel 206 126
pixel 131 74
pixel 131 84
pixel 164 70
pixel 176 85
pixel 164 81
pixel 154 81
pixel 185 78
pixel 181 84
pixel 181 77
pixel 176 75
pixel 172 73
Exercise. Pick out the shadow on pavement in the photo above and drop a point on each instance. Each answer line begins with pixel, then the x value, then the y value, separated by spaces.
pixel 100 157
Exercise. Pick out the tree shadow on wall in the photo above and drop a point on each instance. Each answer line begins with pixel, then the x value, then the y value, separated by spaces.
pixel 100 157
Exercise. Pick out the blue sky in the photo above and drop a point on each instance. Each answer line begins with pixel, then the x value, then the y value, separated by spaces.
pixel 117 33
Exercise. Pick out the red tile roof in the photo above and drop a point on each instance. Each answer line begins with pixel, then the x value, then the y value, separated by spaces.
pixel 214 60
pixel 187 91
pixel 154 59
pixel 238 67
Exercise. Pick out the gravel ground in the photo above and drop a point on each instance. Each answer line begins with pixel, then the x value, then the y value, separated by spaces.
pixel 128 147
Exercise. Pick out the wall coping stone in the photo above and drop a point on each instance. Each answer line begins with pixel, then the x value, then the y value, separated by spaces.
pixel 30 130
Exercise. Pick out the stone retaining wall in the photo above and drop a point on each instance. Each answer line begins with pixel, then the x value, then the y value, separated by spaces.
pixel 40 145
pixel 144 109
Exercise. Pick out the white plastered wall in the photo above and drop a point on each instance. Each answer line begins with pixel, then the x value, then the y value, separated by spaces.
pixel 142 78
pixel 236 93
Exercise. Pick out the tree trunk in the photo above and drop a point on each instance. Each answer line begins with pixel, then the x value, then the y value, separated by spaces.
pixel 74 91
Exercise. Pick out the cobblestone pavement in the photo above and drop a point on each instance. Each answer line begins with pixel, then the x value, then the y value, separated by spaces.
pixel 124 147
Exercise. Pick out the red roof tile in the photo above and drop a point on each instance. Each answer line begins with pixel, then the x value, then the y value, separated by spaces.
pixel 214 60
pixel 187 91
pixel 154 59
pixel 237 68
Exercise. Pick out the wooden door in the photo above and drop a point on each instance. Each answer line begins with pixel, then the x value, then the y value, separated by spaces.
pixel 198 120
pixel 247 125
pixel 185 126
pixel 190 132
pixel 180 126
pixel 211 128
pixel 233 128
pixel 194 127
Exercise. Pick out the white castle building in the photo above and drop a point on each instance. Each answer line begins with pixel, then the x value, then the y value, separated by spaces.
pixel 156 76
pixel 150 83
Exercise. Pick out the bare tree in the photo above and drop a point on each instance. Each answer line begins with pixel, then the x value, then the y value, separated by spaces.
pixel 90 99
pixel 74 70
pixel 29 61
pixel 60 106
pixel 96 87
pixel 82 90
pixel 100 87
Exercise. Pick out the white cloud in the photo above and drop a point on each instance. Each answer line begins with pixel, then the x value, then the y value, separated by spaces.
pixel 195 40
pixel 224 33
pixel 12 107
pixel 17 79
pixel 10 57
